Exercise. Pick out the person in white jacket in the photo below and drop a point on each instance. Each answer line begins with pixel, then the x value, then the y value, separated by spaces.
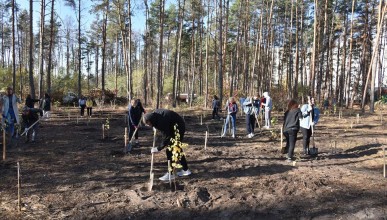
pixel 311 115
pixel 10 111
pixel 268 107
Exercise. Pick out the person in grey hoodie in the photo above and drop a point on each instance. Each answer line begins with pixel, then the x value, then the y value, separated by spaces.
pixel 291 127
pixel 311 115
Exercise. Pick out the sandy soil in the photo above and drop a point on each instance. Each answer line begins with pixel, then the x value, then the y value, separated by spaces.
pixel 72 173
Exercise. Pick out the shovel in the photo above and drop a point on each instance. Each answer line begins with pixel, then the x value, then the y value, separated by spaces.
pixel 130 145
pixel 151 169
pixel 314 150
pixel 257 119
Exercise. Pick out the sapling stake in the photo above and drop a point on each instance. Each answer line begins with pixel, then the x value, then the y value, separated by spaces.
pixel 282 138
pixel 18 187
pixel 205 141
pixel 169 172
pixel 151 175
pixel 103 132
pixel 4 144
pixel 69 116
pixel 384 161
pixel 201 119
pixel 77 119
pixel 357 119
pixel 126 137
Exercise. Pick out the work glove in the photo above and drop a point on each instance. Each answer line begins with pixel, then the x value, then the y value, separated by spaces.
pixel 313 123
pixel 135 127
pixel 154 150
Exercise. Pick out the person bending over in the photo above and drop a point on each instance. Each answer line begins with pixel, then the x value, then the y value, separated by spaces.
pixel 165 120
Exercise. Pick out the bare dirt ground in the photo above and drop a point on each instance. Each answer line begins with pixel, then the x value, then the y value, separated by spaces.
pixel 71 173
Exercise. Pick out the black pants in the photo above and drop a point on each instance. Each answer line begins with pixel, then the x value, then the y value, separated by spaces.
pixel 291 138
pixel 183 161
pixel 306 134
pixel 250 123
pixel 83 110
pixel 89 111
pixel 215 113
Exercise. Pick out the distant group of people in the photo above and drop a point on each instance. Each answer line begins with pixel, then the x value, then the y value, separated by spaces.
pixel 30 114
pixel 295 118
pixel 87 103
pixel 251 107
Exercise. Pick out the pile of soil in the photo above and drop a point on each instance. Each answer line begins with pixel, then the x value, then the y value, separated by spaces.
pixel 70 172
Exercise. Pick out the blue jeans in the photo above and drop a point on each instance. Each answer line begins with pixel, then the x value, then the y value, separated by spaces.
pixel 233 120
pixel 10 125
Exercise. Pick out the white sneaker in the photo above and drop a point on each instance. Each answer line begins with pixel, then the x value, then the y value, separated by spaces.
pixel 184 173
pixel 251 135
pixel 166 177
pixel 233 136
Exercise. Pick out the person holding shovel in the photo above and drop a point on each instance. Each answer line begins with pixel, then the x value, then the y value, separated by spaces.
pixel 256 107
pixel 310 117
pixel 291 127
pixel 248 109
pixel 232 109
pixel 133 121
pixel 165 121
pixel 30 117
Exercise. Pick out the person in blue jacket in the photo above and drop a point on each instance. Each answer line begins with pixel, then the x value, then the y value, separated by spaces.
pixel 311 115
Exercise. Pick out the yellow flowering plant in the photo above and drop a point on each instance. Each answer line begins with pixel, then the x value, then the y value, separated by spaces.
pixel 177 150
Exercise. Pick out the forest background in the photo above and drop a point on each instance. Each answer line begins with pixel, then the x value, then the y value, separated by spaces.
pixel 332 49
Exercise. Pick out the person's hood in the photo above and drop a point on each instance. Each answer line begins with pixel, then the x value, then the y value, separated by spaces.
pixel 265 94
pixel 151 117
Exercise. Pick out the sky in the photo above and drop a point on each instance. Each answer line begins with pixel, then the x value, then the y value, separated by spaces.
pixel 138 20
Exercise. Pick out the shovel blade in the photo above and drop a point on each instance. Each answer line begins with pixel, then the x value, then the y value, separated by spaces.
pixel 129 147
pixel 313 151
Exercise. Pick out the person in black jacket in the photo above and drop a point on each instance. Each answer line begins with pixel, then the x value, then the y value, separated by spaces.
pixel 164 120
pixel 30 116
pixel 30 102
pixel 291 127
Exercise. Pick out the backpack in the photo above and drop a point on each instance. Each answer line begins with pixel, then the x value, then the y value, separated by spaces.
pixel 248 106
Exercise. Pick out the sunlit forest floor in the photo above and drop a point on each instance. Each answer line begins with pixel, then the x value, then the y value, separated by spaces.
pixel 72 173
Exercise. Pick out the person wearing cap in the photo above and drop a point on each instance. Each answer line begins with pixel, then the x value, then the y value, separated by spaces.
pixel 10 111
pixel 311 115
pixel 165 121
pixel 268 105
